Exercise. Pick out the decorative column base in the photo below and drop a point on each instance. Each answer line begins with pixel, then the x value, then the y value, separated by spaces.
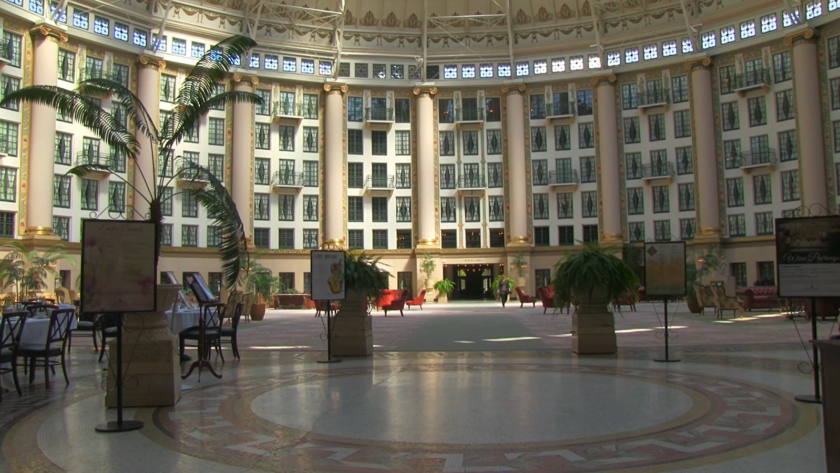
pixel 41 233
pixel 428 244
pixel 593 330
pixel 708 236
pixel 353 332
pixel 519 242
pixel 151 363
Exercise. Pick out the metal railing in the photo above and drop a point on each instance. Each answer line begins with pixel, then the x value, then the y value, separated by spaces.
pixel 383 114
pixel 475 182
pixel 287 178
pixel 470 114
pixel 560 109
pixel 754 78
pixel 563 177
pixel 664 169
pixel 187 173
pixel 757 157
pixel 654 97
pixel 288 109
pixel 93 157
pixel 380 182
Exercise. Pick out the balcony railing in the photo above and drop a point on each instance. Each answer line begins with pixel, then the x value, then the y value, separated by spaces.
pixel 757 158
pixel 654 98
pixel 474 182
pixel 658 170
pixel 563 178
pixel 380 182
pixel 560 109
pixel 757 78
pixel 287 178
pixel 471 114
pixel 93 73
pixel 185 173
pixel 379 114
pixel 288 109
pixel 93 157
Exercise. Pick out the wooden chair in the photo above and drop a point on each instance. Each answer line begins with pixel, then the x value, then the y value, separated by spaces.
pixel 525 298
pixel 230 332
pixel 11 326
pixel 628 298
pixel 86 323
pixel 55 346
pixel 107 326
pixel 211 317
pixel 724 302
pixel 418 301
pixel 705 297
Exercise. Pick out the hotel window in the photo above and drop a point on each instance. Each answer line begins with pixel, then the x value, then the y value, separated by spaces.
pixel 735 192
pixel 355 175
pixel 216 165
pixel 784 105
pixel 360 70
pixel 356 239
pixel 166 201
pixel 758 111
pixel 635 201
pixel 189 205
pixel 189 235
pixel 192 134
pixel 404 242
pixel 584 102
pixel 310 139
pixel 89 192
pixel 781 67
pixel 537 106
pixel 586 135
pixel 732 154
pixel 61 227
pixel 262 171
pixel 447 176
pixel 764 223
pixel 286 237
pixel 587 169
pixel 286 105
pixel 289 64
pixel 472 209
pixel 562 138
pixel 494 175
pixel 496 208
pixel 63 148
pixel 11 48
pixel 634 166
pixel 310 173
pixel 629 96
pixel 167 88
pixel 61 191
pixel 492 109
pixel 8 138
pixel 325 68
pixel 260 109
pixel 307 66
pixel 472 238
pixel 494 142
pixel 286 208
pixel 355 109
pixel 787 145
pixel 397 71
pixel 767 272
pixel 7 86
pixel 66 65
pixel 214 236
pixel 636 231
pixel 116 196
pixel 709 40
pixel 762 190
pixel 566 234
pixel 682 124
pixel 503 70
pixel 262 207
pixel 541 236
pixel 651 51
pixel 541 208
pixel 686 194
pixel 836 126
pixel 379 142
pixel 679 89
pixel 748 29
pixel 486 71
pixel 497 238
pixel 590 233
pixel 450 72
pixel 447 143
pixel 262 238
pixel 576 63
pixel 7 224
pixel 790 185
pixel 403 209
pixel 403 110
pixel 538 141
pixel 120 31
pixel 287 138
pixel 120 74
pixel 310 208
pixel 727 35
pixel 262 136
pixel 729 116
pixel 379 209
pixel 447 209
pixel 310 106
pixel 631 55
pixel 470 142
pixel 661 199
pixel 179 46
pixel 727 79
pixel 834 86
pixel 688 228
pixel 657 127
pixel 380 239
pixel 589 204
pixel 355 209
pixel 403 176
pixel 662 230
pixel 632 131
pixel 446 111
pixel 216 133
pixel 539 172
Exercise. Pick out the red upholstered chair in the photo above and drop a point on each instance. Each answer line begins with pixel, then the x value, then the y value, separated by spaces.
pixel 418 301
pixel 321 306
pixel 525 298
pixel 546 295
pixel 397 304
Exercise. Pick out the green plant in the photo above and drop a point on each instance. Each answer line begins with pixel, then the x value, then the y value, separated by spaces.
pixel 494 286
pixel 363 274
pixel 445 286
pixel 593 267
pixel 708 262
pixel 128 127
pixel 259 280
pixel 27 270
pixel 428 265
pixel 519 265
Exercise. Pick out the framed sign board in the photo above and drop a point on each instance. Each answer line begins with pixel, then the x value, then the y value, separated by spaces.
pixel 328 275
pixel 199 287
pixel 119 269
pixel 808 256
pixel 665 269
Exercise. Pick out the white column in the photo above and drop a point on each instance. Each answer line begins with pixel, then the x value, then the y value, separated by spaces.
pixel 145 175
pixel 334 177
pixel 608 157
pixel 517 214
pixel 702 110
pixel 242 182
pixel 426 202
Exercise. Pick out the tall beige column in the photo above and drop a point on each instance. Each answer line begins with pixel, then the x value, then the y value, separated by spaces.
pixel 334 192
pixel 517 214
pixel 705 154
pixel 809 145
pixel 242 165
pixel 148 91
pixel 610 187
pixel 426 202
pixel 42 135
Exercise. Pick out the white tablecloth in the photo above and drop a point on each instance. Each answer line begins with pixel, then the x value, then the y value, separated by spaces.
pixel 35 328
pixel 183 319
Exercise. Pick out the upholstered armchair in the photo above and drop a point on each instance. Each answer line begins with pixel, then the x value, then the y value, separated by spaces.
pixel 525 298
pixel 418 301
pixel 724 302
pixel 397 304
pixel 705 297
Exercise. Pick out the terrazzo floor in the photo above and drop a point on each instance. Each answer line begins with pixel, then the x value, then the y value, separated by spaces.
pixel 460 388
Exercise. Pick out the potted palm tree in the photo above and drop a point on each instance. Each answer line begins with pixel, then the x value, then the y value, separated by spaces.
pixel 364 279
pixel 260 282
pixel 592 277
pixel 444 287
pixel 27 270
pixel 429 266
pixel 127 129
pixel 521 267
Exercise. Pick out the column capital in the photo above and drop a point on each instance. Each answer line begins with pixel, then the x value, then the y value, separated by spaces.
pixel 431 90
pixel 513 89
pixel 519 241
pixel 336 88
pixel 601 80
pixel 144 61
pixel 237 77
pixel 48 31
pixel 699 63
pixel 807 35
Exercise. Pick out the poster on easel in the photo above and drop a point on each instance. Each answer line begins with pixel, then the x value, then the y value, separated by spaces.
pixel 119 267
pixel 665 269
pixel 328 275
pixel 808 256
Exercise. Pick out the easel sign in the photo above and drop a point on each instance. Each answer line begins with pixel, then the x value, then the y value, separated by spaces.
pixel 808 256
pixel 328 275
pixel 665 269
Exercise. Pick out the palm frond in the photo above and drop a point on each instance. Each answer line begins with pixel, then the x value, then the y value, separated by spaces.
pixel 134 108
pixel 83 110
pixel 222 209
pixel 82 170
pixel 184 122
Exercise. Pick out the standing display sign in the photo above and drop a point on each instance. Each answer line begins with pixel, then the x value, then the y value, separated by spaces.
pixel 327 269
pixel 119 275
pixel 665 277
pixel 808 266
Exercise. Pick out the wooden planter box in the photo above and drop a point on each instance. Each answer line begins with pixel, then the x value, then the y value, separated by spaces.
pixel 290 301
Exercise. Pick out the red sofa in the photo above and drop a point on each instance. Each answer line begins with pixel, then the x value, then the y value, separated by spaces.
pixel 418 301
pixel 525 298
pixel 397 303
pixel 760 297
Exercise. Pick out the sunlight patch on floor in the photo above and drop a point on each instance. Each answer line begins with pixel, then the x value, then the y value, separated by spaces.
pixel 511 339
pixel 280 347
